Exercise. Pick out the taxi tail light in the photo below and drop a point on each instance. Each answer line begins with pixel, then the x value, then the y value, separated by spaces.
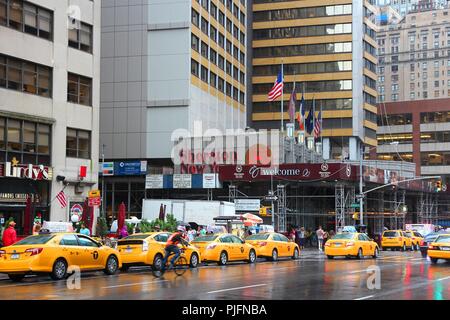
pixel 262 244
pixel 350 244
pixel 430 247
pixel 211 246
pixel 145 246
pixel 2 252
pixel 34 251
pixel 327 244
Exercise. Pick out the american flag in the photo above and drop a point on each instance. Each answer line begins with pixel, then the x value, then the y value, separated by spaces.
pixel 61 196
pixel 317 125
pixel 277 88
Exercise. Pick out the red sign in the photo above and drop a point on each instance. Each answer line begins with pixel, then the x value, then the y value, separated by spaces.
pixel 94 202
pixel 297 171
pixel 83 171
pixel 26 171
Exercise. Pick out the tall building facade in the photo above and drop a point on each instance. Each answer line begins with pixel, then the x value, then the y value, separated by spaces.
pixel 167 66
pixel 403 7
pixel 49 107
pixel 414 91
pixel 329 51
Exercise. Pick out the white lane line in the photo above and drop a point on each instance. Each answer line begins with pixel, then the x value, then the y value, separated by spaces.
pixel 239 288
pixel 133 284
pixel 364 298
pixel 442 279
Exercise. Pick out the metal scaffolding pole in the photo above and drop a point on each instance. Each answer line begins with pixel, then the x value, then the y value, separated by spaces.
pixel 281 193
pixel 339 206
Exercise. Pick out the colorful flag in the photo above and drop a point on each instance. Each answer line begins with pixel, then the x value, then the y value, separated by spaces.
pixel 61 196
pixel 292 103
pixel 309 123
pixel 318 126
pixel 277 88
pixel 301 114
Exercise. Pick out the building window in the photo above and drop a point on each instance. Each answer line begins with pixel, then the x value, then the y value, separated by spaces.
pixel 221 63
pixel 228 68
pixel 78 144
pixel 235 73
pixel 436 74
pixel 204 74
pixel 26 17
pixel 412 95
pixel 228 89
pixel 213 79
pixel 213 56
pixel 81 39
pixel 436 93
pixel 394 97
pixel 228 48
pixel 213 10
pixel 221 18
pixel 204 26
pixel 194 68
pixel 221 40
pixel 242 77
pixel 195 18
pixel 412 76
pixel 79 89
pixel 195 43
pixel 213 33
pixel 242 38
pixel 204 50
pixel 221 85
pixel 394 68
pixel 25 76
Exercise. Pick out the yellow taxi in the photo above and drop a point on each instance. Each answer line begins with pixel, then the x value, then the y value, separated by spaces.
pixel 351 244
pixel 440 248
pixel 224 247
pixel 148 249
pixel 57 254
pixel 272 245
pixel 416 239
pixel 396 239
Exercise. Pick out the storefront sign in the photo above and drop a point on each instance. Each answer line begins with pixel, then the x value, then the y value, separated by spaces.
pixel 94 202
pixel 130 168
pixel 18 197
pixel 247 204
pixel 316 171
pixel 76 210
pixel 154 181
pixel 29 171
pixel 107 169
pixel 182 181
pixel 209 180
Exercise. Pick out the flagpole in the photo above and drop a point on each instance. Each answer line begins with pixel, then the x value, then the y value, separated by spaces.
pixel 282 96
pixel 320 122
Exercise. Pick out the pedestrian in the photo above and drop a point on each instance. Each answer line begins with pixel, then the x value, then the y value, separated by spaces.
pixel 301 236
pixel 157 228
pixel 191 234
pixel 320 233
pixel 84 230
pixel 203 231
pixel 123 232
pixel 137 229
pixel 325 237
pixel 292 234
pixel 36 228
pixel 10 234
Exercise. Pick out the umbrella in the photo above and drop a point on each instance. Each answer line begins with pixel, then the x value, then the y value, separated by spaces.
pixel 161 212
pixel 121 217
pixel 248 217
pixel 27 217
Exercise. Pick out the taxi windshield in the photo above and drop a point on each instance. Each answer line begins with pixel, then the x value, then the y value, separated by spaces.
pixel 443 239
pixel 390 234
pixel 39 239
pixel 205 238
pixel 260 236
pixel 343 236
pixel 137 237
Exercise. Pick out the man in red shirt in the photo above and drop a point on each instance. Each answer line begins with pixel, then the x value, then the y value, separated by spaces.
pixel 9 235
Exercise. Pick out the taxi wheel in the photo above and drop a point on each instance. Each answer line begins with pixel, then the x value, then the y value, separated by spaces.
pixel 252 256
pixel 375 253
pixel 59 270
pixel 434 260
pixel 223 259
pixel 296 254
pixel 194 260
pixel 404 247
pixel 157 262
pixel 330 257
pixel 360 254
pixel 274 255
pixel 16 277
pixel 111 265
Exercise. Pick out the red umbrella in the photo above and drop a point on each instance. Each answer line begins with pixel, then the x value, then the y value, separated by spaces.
pixel 27 217
pixel 161 212
pixel 85 212
pixel 121 217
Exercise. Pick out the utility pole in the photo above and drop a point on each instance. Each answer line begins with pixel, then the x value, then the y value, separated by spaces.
pixel 103 182
pixel 273 208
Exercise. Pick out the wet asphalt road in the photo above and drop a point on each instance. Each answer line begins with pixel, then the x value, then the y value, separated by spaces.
pixel 404 275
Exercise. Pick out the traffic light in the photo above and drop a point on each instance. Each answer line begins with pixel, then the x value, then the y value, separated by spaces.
pixel 438 185
pixel 355 216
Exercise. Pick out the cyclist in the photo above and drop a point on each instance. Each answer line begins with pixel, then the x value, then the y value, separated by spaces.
pixel 172 247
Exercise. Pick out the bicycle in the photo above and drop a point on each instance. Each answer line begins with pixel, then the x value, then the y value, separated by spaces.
pixel 180 265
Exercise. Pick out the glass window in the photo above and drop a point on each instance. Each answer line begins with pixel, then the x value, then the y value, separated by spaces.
pixel 195 68
pixel 204 49
pixel 29 137
pixel 204 74
pixel 195 44
pixel 30 18
pixel 204 26
pixel 78 143
pixel 221 85
pixel 212 79
pixel 29 77
pixel 43 139
pixel 13 134
pixel 69 240
pixel 79 89
pixel 195 18
pixel 15 14
pixel 86 242
pixel 81 38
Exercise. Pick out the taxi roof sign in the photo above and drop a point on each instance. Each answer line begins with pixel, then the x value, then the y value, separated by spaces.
pixel 94 193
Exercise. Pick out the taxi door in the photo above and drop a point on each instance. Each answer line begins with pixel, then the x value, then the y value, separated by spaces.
pixel 71 251
pixel 90 253
pixel 362 241
pixel 286 246
pixel 239 248
pixel 229 246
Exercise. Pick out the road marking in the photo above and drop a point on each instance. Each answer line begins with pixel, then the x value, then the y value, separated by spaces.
pixel 238 288
pixel 364 298
pixel 133 284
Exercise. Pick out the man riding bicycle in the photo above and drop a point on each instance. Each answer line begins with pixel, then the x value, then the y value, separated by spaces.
pixel 172 247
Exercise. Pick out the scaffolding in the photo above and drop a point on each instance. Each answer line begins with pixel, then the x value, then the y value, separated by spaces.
pixel 281 215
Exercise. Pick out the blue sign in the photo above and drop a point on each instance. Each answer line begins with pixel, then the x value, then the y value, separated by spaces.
pixel 130 168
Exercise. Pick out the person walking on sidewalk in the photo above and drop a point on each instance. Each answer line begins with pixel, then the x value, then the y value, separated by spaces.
pixel 320 233
pixel 9 235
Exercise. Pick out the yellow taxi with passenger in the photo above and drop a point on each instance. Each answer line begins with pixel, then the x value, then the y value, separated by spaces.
pixel 224 247
pixel 396 239
pixel 148 249
pixel 351 244
pixel 57 254
pixel 272 245
pixel 416 239
pixel 440 248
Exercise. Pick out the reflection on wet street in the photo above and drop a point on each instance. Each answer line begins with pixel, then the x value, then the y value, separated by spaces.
pixel 403 275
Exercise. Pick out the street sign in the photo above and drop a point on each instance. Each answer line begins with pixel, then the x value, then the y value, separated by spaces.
pixel 271 198
pixel 359 196
pixel 247 204
pixel 94 193
pixel 354 205
pixel 94 202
